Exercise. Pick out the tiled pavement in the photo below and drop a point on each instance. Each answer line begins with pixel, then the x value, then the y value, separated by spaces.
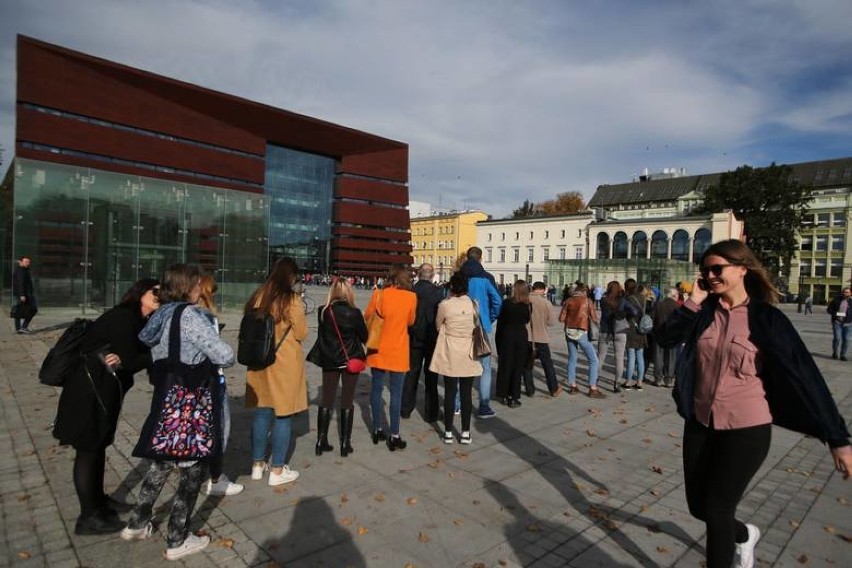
pixel 558 482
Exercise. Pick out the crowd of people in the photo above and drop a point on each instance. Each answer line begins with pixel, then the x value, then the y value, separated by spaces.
pixel 736 363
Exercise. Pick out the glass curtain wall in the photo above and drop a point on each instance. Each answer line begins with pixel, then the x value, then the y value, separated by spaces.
pixel 92 233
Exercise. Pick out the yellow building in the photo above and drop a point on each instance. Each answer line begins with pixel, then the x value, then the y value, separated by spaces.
pixel 440 238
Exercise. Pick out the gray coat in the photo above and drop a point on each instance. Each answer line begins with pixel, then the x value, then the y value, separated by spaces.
pixel 454 321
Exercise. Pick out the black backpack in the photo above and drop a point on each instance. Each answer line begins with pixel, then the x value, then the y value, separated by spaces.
pixel 65 356
pixel 256 345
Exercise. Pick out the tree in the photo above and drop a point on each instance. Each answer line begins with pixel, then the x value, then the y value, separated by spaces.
pixel 771 205
pixel 565 203
pixel 527 209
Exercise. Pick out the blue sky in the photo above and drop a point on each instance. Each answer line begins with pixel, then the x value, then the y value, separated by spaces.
pixel 500 101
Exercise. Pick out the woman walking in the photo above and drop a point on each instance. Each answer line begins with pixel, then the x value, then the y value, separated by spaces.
pixel 340 339
pixel 743 368
pixel 578 313
pixel 183 427
pixel 279 391
pixel 633 306
pixel 513 344
pixel 91 401
pixel 613 331
pixel 396 304
pixel 453 357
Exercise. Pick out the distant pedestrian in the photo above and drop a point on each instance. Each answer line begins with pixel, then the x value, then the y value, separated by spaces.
pixel 809 305
pixel 24 292
pixel 633 306
pixel 840 309
pixel 597 294
pixel 664 357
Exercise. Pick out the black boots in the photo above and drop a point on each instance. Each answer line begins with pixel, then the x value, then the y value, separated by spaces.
pixel 345 427
pixel 323 420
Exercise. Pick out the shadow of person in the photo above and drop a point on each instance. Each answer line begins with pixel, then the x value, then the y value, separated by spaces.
pixel 313 533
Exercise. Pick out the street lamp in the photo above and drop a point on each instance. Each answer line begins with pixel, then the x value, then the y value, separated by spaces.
pixel 527 273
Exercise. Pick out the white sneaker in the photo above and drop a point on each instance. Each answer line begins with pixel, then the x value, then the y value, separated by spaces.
pixel 257 470
pixel 286 476
pixel 191 545
pixel 448 437
pixel 137 534
pixel 744 557
pixel 223 487
pixel 465 438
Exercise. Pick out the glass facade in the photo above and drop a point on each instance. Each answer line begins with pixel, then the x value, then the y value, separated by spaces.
pixel 300 187
pixel 92 233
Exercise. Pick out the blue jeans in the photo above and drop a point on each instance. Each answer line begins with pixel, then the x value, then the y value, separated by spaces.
pixel 635 359
pixel 263 418
pixel 841 338
pixel 591 355
pixel 397 380
pixel 485 379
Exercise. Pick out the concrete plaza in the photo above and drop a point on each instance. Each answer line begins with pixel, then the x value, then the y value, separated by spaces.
pixel 569 481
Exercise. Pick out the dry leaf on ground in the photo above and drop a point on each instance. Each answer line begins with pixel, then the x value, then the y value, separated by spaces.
pixel 423 537
pixel 411 500
pixel 363 530
pixel 380 497
pixel 224 542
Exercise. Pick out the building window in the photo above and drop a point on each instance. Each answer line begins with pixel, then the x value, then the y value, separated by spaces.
pixel 487 255
pixel 640 245
pixel 603 245
pixel 517 236
pixel 822 243
pixel 489 237
pixel 545 253
pixel 838 242
pixel 822 219
pixel 531 235
pixel 659 245
pixel 619 245
pixel 502 255
pixel 808 221
pixel 839 219
pixel 680 245
pixel 807 243
pixel 530 254
pixel 836 268
pixel 547 234
pixel 578 252
pixel 819 267
pixel 561 253
pixel 805 268
pixel 563 233
pixel 516 255
pixel 502 236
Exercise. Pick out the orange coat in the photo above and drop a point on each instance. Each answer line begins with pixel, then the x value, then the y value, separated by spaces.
pixel 399 308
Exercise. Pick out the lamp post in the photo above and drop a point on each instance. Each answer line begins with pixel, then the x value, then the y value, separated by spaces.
pixel 801 289
pixel 527 273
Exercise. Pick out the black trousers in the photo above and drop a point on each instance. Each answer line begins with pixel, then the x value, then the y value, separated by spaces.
pixel 89 466
pixel 420 359
pixel 546 364
pixel 718 466
pixel 463 385
pixel 512 356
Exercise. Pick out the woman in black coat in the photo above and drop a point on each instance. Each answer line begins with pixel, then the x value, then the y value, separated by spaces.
pixel 513 344
pixel 339 321
pixel 92 396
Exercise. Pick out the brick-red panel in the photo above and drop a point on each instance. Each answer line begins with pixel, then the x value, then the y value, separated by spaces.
pixel 372 245
pixel 377 216
pixel 388 164
pixel 62 132
pixel 356 188
pixel 366 256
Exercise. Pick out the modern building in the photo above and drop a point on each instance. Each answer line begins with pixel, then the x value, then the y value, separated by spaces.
pixel 441 238
pixel 119 173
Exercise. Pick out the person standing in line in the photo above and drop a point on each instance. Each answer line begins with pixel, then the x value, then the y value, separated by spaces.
pixel 279 391
pixel 664 357
pixel 578 313
pixel 397 305
pixel 24 293
pixel 632 305
pixel 482 288
pixel 540 319
pixel 341 336
pixel 200 345
pixel 218 484
pixel 453 356
pixel 809 305
pixel 613 331
pixel 513 344
pixel 597 293
pixel 422 336
pixel 81 420
pixel 840 309
pixel 743 368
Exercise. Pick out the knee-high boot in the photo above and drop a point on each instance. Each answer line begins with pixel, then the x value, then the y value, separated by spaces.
pixel 347 415
pixel 323 421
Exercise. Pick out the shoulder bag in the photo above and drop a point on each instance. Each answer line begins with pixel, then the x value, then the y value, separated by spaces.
pixel 480 347
pixel 374 326
pixel 353 365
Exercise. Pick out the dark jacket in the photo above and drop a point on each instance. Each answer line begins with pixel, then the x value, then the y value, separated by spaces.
pixel 22 282
pixel 834 305
pixel 662 310
pixel 423 332
pixel 512 325
pixel 798 397
pixel 632 308
pixel 327 352
pixel 81 421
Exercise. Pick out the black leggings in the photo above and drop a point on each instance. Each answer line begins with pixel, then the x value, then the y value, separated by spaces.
pixel 89 468
pixel 718 466
pixel 329 388
pixel 451 384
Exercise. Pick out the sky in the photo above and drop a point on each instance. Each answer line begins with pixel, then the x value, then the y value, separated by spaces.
pixel 499 101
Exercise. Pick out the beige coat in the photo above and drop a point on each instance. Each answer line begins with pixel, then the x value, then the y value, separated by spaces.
pixel 452 357
pixel 283 385
pixel 540 320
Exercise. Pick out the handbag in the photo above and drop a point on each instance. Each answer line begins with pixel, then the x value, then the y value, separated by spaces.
pixel 184 421
pixel 23 310
pixel 574 333
pixel 480 346
pixel 374 326
pixel 353 365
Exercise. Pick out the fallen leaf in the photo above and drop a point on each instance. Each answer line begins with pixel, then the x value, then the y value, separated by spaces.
pixel 380 497
pixel 842 501
pixel 602 492
pixel 590 433
pixel 830 529
pixel 458 522
pixel 672 435
pixel 846 538
pixel 280 489
pixel 609 525
pixel 656 469
pixel 534 527
pixel 362 530
pixel 476 502
pixel 345 521
pixel 643 508
pixel 623 421
pixel 460 454
pixel 502 563
pixel 435 450
pixel 224 542
pixel 24 555
pixel 655 493
pixel 794 524
pixel 423 537
pixel 650 409
pixel 662 550
pixel 653 527
pixel 411 500
pixel 24 497
pixel 647 441
pixel 408 565
pixel 803 559
pixel 344 498
pixel 479 565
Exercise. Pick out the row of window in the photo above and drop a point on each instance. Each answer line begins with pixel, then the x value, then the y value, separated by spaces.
pixel 821 242
pixel 659 245
pixel 422 231
pixel 489 236
pixel 530 257
pixel 821 268
pixel 427 245
pixel 836 219
pixel 438 262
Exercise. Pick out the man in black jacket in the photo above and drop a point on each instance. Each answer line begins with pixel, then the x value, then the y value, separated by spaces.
pixel 22 289
pixel 422 337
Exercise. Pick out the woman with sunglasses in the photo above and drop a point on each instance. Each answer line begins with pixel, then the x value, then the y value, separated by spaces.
pixel 742 369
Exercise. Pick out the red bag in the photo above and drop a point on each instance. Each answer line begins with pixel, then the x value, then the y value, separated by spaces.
pixel 353 366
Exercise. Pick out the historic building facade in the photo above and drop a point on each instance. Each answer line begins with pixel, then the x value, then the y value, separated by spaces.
pixel 441 238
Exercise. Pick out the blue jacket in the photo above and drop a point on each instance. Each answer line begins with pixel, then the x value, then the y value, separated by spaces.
pixel 482 288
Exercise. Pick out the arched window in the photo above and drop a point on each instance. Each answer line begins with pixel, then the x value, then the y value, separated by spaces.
pixel 640 245
pixel 619 245
pixel 700 244
pixel 680 245
pixel 603 245
pixel 659 245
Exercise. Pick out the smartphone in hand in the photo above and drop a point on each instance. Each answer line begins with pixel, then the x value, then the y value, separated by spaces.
pixel 702 283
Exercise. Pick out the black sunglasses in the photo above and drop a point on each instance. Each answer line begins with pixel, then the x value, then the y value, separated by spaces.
pixel 716 269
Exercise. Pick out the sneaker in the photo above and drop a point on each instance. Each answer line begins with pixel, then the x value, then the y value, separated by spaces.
pixel 137 534
pixel 287 475
pixel 595 393
pixel 257 470
pixel 744 556
pixel 223 487
pixel 485 412
pixel 191 545
pixel 457 410
pixel 637 386
pixel 465 438
pixel 448 437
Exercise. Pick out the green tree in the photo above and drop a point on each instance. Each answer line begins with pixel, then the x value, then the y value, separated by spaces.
pixel 771 205
pixel 527 209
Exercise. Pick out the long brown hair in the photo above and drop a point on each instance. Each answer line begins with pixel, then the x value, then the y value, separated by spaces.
pixel 521 292
pixel 208 289
pixel 399 276
pixel 613 295
pixel 178 282
pixel 275 294
pixel 757 282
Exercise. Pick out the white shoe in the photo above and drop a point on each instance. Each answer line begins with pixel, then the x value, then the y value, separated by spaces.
pixel 137 534
pixel 257 470
pixel 223 487
pixel 448 437
pixel 744 557
pixel 286 476
pixel 465 438
pixel 191 545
